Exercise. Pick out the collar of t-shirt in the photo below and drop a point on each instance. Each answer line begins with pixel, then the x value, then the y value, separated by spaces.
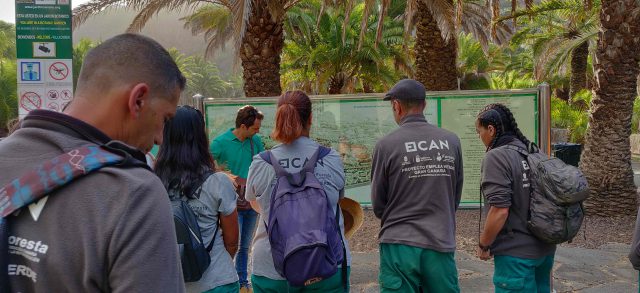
pixel 413 118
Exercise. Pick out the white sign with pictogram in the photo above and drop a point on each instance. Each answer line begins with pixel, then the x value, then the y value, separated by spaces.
pixel 44 84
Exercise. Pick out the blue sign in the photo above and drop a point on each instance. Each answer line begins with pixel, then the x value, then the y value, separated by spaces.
pixel 30 71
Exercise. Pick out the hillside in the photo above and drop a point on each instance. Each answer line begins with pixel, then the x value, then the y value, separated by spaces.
pixel 166 28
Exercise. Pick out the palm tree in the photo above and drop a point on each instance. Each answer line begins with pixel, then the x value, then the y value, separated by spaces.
pixel 436 24
pixel 254 25
pixel 606 160
pixel 560 35
pixel 328 55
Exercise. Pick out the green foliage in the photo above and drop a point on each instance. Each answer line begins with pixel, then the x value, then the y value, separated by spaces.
pixel 8 77
pixel 572 116
pixel 8 91
pixel 322 53
pixel 80 50
pixel 203 77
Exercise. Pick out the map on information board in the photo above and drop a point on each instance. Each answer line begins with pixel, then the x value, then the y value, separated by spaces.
pixel 352 126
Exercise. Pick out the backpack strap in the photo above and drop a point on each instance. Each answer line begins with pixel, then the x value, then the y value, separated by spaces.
pixel 54 174
pixel 49 177
pixel 206 176
pixel 525 154
pixel 344 247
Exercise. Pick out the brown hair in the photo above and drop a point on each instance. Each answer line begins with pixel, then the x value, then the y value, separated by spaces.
pixel 248 115
pixel 292 116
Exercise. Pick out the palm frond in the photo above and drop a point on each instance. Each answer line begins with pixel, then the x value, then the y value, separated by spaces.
pixel 443 12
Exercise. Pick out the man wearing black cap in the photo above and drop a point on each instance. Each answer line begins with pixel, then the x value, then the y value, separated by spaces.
pixel 416 184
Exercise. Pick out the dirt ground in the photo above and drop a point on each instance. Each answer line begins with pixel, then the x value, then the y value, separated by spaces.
pixel 595 232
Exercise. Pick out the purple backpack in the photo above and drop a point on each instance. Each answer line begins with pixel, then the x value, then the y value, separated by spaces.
pixel 304 233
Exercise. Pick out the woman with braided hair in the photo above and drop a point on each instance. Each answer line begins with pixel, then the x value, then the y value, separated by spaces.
pixel 522 262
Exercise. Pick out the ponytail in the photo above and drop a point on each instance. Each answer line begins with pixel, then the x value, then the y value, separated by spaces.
pixel 288 125
pixel 292 116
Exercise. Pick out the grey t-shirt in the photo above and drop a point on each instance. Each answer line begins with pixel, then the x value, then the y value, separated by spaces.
pixel 262 177
pixel 505 183
pixel 217 197
pixel 416 185
pixel 634 254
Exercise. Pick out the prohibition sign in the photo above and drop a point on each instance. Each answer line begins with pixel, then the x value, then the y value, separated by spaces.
pixel 58 71
pixel 30 101
pixel 66 95
pixel 54 106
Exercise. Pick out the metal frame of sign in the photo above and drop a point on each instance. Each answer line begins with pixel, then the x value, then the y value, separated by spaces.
pixel 540 96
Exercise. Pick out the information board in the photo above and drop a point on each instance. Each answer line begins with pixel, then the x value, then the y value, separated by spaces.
pixel 352 124
pixel 44 50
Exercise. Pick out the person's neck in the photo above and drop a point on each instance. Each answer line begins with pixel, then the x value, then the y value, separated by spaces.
pixel 238 134
pixel 82 109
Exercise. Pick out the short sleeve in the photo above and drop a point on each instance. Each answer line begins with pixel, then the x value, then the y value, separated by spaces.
pixel 226 193
pixel 215 149
pixel 260 176
pixel 497 184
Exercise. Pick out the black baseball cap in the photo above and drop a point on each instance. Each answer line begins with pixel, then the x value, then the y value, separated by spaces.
pixel 406 89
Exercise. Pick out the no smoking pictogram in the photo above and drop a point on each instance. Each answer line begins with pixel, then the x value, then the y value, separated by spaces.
pixel 58 71
pixel 30 101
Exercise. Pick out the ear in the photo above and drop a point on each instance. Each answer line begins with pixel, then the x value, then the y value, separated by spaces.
pixel 138 99
pixel 492 130
pixel 310 119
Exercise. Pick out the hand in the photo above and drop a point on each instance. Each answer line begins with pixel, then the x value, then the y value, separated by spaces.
pixel 483 255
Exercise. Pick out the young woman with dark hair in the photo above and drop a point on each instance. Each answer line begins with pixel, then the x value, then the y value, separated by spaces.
pixel 292 127
pixel 187 171
pixel 523 263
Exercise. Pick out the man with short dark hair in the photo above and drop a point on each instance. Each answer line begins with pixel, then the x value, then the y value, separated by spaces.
pixel 111 230
pixel 234 150
pixel 416 185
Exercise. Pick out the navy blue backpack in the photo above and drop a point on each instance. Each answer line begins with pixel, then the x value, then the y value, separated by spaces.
pixel 304 233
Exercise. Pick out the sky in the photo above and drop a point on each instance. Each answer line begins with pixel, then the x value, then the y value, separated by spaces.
pixel 8 9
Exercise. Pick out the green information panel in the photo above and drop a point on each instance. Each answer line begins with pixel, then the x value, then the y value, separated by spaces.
pixel 458 114
pixel 44 49
pixel 353 124
pixel 43 29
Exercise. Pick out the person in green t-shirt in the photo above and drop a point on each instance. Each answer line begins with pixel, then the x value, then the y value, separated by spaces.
pixel 234 150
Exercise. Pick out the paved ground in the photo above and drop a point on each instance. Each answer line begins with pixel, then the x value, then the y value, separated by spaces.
pixel 576 270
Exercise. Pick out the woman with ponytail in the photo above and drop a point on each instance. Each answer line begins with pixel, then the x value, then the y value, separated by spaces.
pixel 522 262
pixel 292 127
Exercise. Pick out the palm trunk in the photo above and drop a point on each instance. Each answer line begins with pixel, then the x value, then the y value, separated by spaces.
pixel 579 58
pixel 606 160
pixel 435 57
pixel 260 53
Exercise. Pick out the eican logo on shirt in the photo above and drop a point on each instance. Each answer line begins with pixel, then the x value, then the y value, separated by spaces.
pixel 423 145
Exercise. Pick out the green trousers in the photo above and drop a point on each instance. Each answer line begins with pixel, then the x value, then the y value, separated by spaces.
pixel 407 269
pixel 514 274
pixel 228 288
pixel 332 285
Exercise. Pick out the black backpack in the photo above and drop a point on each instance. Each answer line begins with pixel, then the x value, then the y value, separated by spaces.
pixel 194 255
pixel 557 193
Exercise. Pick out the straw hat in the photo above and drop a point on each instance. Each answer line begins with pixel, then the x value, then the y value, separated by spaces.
pixel 353 216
